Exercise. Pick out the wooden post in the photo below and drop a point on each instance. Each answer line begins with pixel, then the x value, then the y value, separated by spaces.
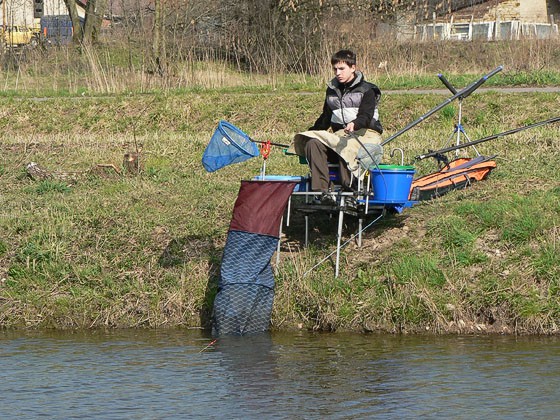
pixel 497 28
pixel 132 163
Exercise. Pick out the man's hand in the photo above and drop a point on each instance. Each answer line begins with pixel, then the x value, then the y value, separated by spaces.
pixel 349 128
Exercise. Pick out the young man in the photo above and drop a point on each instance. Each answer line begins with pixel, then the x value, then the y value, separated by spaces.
pixel 349 111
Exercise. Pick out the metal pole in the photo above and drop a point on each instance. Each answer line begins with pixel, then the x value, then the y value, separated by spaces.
pixel 339 235
pixel 360 224
pixel 459 127
pixel 278 246
pixel 461 94
pixel 492 137
pixel 306 230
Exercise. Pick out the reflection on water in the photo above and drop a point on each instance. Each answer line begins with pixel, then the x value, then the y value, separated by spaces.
pixel 170 374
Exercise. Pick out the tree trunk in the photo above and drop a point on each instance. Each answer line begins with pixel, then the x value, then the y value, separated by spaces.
pixel 159 42
pixel 95 9
pixel 100 12
pixel 157 19
pixel 77 34
pixel 89 23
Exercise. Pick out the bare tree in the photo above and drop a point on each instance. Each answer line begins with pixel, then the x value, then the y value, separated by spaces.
pixel 159 41
pixel 95 9
pixel 77 34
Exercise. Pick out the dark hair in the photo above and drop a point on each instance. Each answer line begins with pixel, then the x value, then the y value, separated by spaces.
pixel 344 56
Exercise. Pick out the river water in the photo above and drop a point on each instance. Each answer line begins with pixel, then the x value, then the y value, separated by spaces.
pixel 168 374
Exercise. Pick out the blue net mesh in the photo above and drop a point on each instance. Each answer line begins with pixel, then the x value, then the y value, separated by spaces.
pixel 228 145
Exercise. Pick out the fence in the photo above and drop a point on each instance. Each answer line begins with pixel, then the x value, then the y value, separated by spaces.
pixel 483 31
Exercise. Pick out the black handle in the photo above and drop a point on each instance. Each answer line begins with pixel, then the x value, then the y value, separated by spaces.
pixel 447 84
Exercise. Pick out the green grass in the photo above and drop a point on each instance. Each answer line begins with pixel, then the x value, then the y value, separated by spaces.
pixel 102 249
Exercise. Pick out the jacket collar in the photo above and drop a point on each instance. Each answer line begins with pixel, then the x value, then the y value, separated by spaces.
pixel 336 85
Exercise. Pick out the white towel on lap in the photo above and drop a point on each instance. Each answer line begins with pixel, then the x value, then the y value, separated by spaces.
pixel 342 143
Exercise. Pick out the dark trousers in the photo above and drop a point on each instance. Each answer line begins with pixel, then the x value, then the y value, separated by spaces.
pixel 319 156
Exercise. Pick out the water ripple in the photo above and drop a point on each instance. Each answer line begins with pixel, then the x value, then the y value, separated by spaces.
pixel 173 374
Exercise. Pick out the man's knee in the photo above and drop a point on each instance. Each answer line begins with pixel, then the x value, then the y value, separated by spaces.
pixel 314 150
pixel 314 144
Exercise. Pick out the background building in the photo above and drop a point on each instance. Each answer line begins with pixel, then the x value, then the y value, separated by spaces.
pixel 475 20
pixel 25 12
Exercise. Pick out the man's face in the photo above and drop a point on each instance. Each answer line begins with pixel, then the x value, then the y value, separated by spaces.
pixel 343 72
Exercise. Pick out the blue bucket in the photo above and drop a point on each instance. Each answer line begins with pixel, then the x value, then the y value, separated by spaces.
pixel 391 183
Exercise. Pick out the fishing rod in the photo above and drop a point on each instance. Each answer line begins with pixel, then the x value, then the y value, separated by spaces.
pixel 271 143
pixel 492 137
pixel 461 94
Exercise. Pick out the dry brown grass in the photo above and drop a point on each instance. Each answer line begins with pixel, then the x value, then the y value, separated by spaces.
pixel 105 70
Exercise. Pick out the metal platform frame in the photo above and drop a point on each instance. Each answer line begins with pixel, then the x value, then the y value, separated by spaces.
pixel 365 206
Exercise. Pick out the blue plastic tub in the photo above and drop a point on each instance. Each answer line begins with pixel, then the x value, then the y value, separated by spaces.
pixel 391 183
pixel 334 174
pixel 299 179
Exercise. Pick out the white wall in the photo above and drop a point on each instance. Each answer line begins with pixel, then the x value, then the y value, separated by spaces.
pixel 20 12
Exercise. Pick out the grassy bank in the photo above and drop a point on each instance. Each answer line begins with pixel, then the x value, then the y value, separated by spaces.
pixel 117 67
pixel 91 247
